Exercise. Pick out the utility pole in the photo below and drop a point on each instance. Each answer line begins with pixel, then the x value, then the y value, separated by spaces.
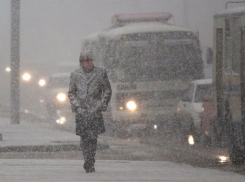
pixel 15 62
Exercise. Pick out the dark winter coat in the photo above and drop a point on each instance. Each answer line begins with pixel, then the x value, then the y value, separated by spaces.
pixel 92 95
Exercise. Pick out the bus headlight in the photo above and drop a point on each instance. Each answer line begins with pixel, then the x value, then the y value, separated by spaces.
pixel 61 97
pixel 42 82
pixel 131 105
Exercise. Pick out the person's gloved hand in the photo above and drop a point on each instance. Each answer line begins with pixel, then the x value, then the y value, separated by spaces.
pixel 94 111
pixel 101 107
pixel 79 111
pixel 91 111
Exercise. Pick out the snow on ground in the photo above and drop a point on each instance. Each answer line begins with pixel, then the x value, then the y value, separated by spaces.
pixel 108 170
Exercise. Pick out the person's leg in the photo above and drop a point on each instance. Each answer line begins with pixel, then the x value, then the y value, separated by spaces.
pixel 92 146
pixel 83 144
pixel 88 145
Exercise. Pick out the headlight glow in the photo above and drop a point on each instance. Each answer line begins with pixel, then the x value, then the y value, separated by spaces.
pixel 191 140
pixel 61 97
pixel 42 82
pixel 8 69
pixel 131 105
pixel 62 120
pixel 26 76
pixel 223 159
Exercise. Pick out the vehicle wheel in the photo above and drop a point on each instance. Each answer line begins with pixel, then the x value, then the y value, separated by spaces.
pixel 214 139
pixel 236 155
pixel 192 127
pixel 204 139
pixel 187 130
pixel 236 160
pixel 174 127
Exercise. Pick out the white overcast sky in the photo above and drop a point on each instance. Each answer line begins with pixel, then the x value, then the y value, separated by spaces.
pixel 51 30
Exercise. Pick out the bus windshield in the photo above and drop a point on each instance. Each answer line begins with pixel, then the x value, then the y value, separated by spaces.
pixel 143 61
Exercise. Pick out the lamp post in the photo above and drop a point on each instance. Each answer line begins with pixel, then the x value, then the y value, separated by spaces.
pixel 15 62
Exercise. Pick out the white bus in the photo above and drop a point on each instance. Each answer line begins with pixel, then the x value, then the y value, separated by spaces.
pixel 150 63
pixel 229 79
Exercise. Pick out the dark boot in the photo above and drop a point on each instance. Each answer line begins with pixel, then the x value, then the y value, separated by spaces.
pixel 90 170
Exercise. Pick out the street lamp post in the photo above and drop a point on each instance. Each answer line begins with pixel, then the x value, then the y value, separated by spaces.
pixel 15 62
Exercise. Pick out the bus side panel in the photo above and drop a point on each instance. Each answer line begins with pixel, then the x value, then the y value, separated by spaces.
pixel 217 67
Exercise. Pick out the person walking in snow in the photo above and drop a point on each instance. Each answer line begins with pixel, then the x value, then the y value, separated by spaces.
pixel 89 94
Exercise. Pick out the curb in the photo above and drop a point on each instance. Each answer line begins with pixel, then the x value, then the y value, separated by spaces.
pixel 48 148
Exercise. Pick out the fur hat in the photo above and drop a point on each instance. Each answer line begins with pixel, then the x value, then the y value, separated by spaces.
pixel 86 55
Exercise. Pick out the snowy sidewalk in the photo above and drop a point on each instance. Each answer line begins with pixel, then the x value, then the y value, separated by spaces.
pixel 25 170
pixel 35 136
pixel 40 137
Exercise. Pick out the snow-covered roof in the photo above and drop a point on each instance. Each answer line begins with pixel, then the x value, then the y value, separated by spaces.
pixel 145 27
pixel 141 17
pixel 238 11
pixel 91 37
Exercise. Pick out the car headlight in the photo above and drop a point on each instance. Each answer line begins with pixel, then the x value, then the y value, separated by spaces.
pixel 131 105
pixel 61 120
pixel 26 77
pixel 61 97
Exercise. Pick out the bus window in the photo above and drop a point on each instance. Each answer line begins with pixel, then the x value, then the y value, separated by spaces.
pixel 236 45
pixel 219 73
pixel 228 47
pixel 110 55
pixel 159 61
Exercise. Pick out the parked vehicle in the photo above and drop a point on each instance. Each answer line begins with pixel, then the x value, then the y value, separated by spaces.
pixel 190 107
pixel 57 103
pixel 229 79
